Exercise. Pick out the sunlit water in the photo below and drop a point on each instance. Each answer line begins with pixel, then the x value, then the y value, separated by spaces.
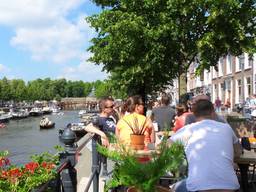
pixel 22 138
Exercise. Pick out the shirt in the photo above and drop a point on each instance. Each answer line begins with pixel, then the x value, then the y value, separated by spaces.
pixel 209 150
pixel 130 119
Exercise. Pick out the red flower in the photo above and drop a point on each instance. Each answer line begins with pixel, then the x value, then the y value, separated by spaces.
pixel 30 167
pixel 4 161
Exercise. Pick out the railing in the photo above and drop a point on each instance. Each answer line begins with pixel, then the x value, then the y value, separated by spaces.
pixel 66 180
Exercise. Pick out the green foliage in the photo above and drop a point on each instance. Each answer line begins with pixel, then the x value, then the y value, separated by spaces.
pixel 42 89
pixel 40 170
pixel 128 171
pixel 148 43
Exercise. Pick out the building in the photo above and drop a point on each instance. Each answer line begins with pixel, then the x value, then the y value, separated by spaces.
pixel 233 78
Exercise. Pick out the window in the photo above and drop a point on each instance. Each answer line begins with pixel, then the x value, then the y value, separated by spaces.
pixel 221 66
pixel 239 85
pixel 248 86
pixel 229 63
pixel 241 62
pixel 250 61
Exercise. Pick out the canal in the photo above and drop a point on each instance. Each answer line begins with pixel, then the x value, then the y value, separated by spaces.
pixel 22 138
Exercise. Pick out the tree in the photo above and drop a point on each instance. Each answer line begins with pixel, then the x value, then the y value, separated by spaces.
pixel 6 93
pixel 18 89
pixel 152 42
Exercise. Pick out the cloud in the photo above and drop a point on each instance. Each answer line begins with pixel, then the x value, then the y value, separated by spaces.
pixel 19 13
pixel 52 31
pixel 57 43
pixel 3 68
pixel 85 71
pixel 42 28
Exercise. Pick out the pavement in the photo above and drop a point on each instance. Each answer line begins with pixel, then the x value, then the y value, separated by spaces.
pixel 84 167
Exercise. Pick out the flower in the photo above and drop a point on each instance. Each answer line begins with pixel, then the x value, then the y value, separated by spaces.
pixel 24 178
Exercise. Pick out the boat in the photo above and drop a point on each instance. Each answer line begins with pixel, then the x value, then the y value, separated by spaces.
pixel 45 123
pixel 4 117
pixel 19 113
pixel 81 113
pixel 2 125
pixel 36 111
pixel 47 110
pixel 77 128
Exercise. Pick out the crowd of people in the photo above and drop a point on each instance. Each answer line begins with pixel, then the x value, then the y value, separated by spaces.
pixel 209 142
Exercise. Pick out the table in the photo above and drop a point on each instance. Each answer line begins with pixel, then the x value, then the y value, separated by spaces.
pixel 248 157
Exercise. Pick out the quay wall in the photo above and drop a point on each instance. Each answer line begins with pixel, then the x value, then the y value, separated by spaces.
pixel 74 103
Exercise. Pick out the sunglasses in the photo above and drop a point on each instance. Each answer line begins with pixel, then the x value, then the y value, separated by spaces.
pixel 108 107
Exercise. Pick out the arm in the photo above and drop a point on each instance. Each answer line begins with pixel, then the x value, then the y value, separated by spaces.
pixel 92 129
pixel 237 149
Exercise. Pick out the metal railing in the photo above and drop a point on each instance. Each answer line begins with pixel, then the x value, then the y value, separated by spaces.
pixel 66 180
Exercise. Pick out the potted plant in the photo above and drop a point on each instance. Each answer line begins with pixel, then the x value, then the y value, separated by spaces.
pixel 142 177
pixel 27 177
pixel 137 136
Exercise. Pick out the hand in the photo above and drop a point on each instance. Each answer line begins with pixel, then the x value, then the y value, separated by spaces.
pixel 105 141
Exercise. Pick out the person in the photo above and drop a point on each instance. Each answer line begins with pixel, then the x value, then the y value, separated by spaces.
pixel 228 105
pixel 190 118
pixel 209 147
pixel 106 125
pixel 218 105
pixel 182 113
pixel 135 109
pixel 164 114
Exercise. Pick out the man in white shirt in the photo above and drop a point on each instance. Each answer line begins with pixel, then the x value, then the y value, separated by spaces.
pixel 209 148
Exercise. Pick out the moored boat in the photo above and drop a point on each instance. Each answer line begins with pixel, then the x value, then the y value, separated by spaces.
pixel 19 113
pixel 47 110
pixel 4 117
pixel 36 111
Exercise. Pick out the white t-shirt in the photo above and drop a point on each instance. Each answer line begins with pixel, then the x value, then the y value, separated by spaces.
pixel 209 151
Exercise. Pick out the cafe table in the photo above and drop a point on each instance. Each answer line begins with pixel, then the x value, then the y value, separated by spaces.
pixel 243 161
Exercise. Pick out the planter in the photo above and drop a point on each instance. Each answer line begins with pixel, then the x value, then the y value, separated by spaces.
pixel 137 142
pixel 158 189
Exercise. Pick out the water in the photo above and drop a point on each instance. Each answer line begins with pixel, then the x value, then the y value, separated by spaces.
pixel 22 138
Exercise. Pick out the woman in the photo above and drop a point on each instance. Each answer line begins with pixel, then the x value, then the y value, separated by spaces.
pixel 134 118
pixel 180 119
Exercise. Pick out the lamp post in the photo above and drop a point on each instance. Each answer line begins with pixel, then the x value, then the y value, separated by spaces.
pixel 69 177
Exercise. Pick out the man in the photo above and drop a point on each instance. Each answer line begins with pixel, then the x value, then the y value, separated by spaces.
pixel 164 114
pixel 209 146
pixel 106 124
pixel 191 117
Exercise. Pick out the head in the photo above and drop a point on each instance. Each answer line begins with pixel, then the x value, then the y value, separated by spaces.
pixel 165 100
pixel 135 104
pixel 198 98
pixel 181 108
pixel 203 109
pixel 106 106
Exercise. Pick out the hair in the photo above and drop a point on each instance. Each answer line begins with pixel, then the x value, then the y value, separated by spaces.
pixel 203 108
pixel 131 103
pixel 102 102
pixel 165 99
pixel 181 108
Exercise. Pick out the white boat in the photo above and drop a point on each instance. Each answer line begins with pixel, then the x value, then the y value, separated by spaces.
pixel 81 113
pixel 47 110
pixel 19 113
pixel 45 123
pixel 4 117
pixel 36 111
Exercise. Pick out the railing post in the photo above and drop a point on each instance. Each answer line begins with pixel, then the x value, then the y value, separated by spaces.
pixel 95 164
pixel 69 175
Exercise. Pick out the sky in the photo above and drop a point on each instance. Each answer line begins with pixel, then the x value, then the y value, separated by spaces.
pixel 47 38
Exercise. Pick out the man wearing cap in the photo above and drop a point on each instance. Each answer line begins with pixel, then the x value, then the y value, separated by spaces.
pixel 210 147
